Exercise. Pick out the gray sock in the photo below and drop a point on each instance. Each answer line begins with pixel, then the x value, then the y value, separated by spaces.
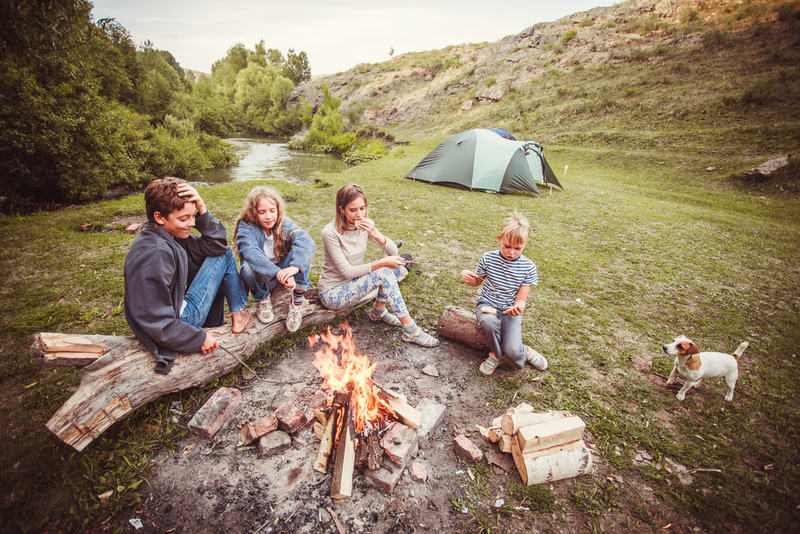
pixel 410 327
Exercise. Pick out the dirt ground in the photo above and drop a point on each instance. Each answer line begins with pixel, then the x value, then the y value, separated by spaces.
pixel 211 485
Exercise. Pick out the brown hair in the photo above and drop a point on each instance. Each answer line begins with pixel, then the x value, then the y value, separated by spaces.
pixel 516 229
pixel 345 195
pixel 161 195
pixel 250 215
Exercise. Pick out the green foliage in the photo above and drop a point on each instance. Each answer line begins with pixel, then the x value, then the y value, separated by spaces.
pixel 536 497
pixel 570 35
pixel 588 21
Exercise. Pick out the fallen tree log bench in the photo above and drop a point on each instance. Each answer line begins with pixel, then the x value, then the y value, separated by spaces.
pixel 118 371
pixel 461 325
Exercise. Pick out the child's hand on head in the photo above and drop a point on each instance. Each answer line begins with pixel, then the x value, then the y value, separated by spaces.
pixel 190 194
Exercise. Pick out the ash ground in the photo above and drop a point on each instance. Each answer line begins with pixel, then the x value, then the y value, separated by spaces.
pixel 211 485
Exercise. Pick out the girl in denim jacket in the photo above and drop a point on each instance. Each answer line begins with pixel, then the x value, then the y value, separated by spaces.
pixel 273 250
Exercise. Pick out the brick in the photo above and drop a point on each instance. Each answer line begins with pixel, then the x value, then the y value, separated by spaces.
pixel 466 450
pixel 318 399
pixel 290 417
pixel 418 472
pixel 431 416
pixel 274 443
pixel 215 412
pixel 252 430
pixel 384 479
pixel 399 443
pixel 133 228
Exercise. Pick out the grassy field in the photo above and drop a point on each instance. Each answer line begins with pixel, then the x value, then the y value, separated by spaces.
pixel 638 248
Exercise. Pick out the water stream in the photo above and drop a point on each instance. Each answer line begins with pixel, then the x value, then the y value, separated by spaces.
pixel 265 159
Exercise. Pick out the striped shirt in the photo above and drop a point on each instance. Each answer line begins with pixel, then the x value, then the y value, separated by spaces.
pixel 503 278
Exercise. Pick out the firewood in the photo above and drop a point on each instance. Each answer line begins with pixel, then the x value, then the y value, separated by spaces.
pixel 374 452
pixel 505 442
pixel 124 373
pixel 461 325
pixel 520 408
pixel 549 433
pixel 555 463
pixel 483 431
pixel 510 423
pixel 321 416
pixel 494 434
pixel 342 482
pixel 319 430
pixel 408 415
pixel 325 446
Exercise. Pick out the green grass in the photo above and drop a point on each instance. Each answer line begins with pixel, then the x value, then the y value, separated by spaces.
pixel 637 249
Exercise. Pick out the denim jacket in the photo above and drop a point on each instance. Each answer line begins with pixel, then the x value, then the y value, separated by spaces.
pixel 250 240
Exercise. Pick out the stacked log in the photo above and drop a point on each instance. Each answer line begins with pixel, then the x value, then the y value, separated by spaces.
pixel 546 446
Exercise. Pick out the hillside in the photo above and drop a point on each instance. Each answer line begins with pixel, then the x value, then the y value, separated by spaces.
pixel 645 75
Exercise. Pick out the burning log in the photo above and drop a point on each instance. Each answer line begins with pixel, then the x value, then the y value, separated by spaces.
pixel 342 483
pixel 121 378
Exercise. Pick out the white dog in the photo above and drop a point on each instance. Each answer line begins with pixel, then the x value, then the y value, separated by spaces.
pixel 694 365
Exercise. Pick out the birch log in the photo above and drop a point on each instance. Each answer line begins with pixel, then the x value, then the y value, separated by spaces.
pixel 123 379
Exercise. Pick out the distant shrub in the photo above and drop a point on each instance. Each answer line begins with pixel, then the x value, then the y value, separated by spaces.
pixel 716 39
pixel 680 68
pixel 570 35
pixel 750 11
pixel 586 22
pixel 490 81
pixel 687 14
pixel 632 91
pixel 787 10
pixel 762 92
pixel 553 46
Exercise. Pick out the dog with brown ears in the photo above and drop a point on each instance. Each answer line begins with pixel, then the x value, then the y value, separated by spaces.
pixel 694 365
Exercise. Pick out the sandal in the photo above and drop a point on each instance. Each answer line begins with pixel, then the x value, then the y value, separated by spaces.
pixel 382 314
pixel 489 365
pixel 420 337
pixel 535 359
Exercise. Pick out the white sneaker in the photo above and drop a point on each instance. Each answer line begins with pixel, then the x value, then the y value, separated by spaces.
pixel 264 310
pixel 294 318
pixel 535 359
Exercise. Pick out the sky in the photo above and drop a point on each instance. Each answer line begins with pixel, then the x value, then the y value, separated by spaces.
pixel 336 35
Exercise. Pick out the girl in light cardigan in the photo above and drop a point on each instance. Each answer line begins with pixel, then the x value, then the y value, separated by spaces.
pixel 346 279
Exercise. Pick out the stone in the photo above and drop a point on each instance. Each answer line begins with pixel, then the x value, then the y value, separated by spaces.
pixel 133 228
pixel 274 443
pixel 399 444
pixel 466 450
pixel 290 417
pixel 215 412
pixel 318 399
pixel 418 472
pixel 466 105
pixel 430 370
pixel 431 416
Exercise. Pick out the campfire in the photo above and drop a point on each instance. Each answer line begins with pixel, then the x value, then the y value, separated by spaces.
pixel 356 424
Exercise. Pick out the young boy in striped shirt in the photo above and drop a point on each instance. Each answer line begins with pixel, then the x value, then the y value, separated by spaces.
pixel 507 277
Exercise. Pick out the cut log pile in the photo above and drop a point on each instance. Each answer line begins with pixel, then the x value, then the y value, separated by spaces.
pixel 546 446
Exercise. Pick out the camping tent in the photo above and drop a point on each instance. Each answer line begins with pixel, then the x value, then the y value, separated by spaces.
pixel 480 159
pixel 505 134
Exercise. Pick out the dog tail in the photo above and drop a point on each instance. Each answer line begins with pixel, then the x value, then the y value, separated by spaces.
pixel 738 352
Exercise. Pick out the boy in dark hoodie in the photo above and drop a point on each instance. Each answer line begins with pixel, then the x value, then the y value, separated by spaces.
pixel 164 313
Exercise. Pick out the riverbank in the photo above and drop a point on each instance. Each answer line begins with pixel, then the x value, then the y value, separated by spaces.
pixel 637 249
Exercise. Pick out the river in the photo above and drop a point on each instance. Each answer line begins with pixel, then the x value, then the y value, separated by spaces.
pixel 265 159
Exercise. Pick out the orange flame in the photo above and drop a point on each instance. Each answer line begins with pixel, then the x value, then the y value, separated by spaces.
pixel 351 372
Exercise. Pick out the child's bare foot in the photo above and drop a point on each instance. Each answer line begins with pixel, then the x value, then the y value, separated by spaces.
pixel 240 321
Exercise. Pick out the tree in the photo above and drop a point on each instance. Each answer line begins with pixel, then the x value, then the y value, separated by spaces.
pixel 296 67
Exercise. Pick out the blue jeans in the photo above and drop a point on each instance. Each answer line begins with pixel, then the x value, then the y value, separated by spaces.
pixel 503 334
pixel 216 273
pixel 260 285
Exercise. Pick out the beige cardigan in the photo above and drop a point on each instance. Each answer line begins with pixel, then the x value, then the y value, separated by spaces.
pixel 343 257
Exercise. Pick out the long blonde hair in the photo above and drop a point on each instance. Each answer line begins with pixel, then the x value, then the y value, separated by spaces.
pixel 250 215
pixel 345 195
